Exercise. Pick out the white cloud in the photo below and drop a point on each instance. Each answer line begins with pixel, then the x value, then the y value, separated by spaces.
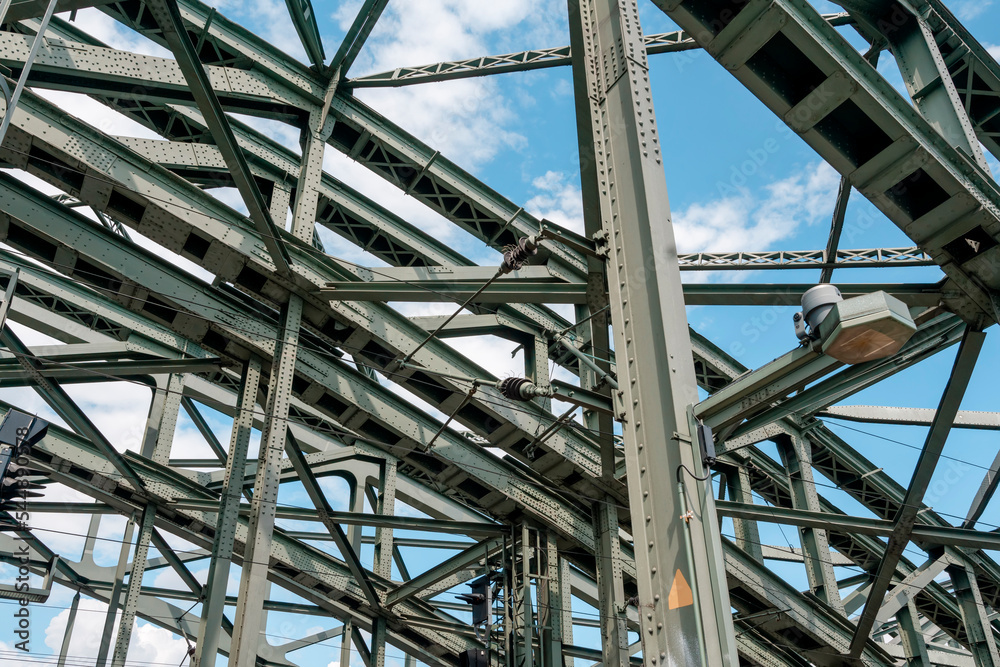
pixel 468 120
pixel 966 10
pixel 748 222
pixel 557 200
pixel 269 19
pixel 106 29
pixel 994 50
pixel 155 645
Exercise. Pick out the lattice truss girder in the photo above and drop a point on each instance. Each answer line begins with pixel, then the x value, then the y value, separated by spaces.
pixel 349 423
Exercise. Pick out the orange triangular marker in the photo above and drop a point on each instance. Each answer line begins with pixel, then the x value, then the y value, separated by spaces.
pixel 680 593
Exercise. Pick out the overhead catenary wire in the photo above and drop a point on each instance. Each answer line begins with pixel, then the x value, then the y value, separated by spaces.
pixel 434 333
pixel 523 480
pixel 396 447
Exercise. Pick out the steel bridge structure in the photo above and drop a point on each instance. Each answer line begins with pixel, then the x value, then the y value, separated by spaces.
pixel 607 506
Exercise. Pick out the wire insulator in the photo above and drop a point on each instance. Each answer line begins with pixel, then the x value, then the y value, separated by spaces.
pixel 515 256
pixel 513 388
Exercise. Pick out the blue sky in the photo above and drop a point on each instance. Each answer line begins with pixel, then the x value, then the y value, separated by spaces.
pixel 516 133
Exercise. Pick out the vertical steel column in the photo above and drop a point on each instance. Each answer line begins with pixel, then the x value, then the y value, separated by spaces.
pixel 116 593
pixel 683 599
pixel 550 603
pixel 313 141
pixel 977 624
pixel 797 459
pixel 354 537
pixel 161 424
pixel 527 617
pixel 134 587
pixel 383 552
pixel 746 532
pixel 914 646
pixel 68 635
pixel 280 202
pixel 565 601
pixel 610 585
pixel 249 606
pixel 214 602
pixel 345 643
pixel 536 366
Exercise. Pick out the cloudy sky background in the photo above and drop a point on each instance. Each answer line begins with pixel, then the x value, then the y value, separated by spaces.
pixel 513 132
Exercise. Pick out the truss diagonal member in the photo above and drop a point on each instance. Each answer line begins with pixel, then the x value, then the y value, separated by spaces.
pixel 460 561
pixel 987 489
pixel 12 99
pixel 840 208
pixel 66 408
pixel 206 431
pixel 356 36
pixel 304 20
pixel 176 563
pixel 318 498
pixel 169 18
pixel 836 228
pixel 902 594
pixel 905 518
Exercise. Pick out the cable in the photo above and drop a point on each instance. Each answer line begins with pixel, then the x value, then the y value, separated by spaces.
pixel 306 344
pixel 587 497
pixel 484 288
pixel 248 228
pixel 909 446
pixel 547 488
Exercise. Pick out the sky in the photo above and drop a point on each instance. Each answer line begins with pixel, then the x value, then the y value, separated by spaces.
pixel 737 178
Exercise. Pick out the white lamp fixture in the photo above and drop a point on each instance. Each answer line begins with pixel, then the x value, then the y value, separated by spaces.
pixel 863 328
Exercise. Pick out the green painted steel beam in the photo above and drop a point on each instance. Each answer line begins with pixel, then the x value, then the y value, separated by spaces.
pixel 713 294
pixel 304 19
pixel 888 414
pixel 175 33
pixel 21 10
pixel 466 559
pixel 357 35
pixel 235 257
pixel 932 337
pixel 904 167
pixel 323 580
pixel 939 535
pixel 82 372
pixel 905 519
pixel 523 61
pixel 324 512
pixel 371 520
pixel 502 291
